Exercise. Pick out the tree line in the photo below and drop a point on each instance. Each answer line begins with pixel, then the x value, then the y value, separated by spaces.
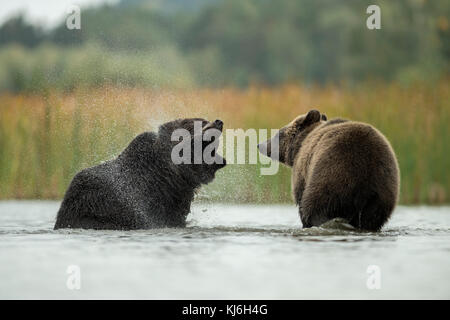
pixel 241 42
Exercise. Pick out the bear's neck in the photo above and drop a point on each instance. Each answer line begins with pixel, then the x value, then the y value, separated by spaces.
pixel 154 165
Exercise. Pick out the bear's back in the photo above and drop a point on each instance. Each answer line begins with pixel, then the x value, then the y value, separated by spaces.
pixel 348 168
pixel 344 145
pixel 98 198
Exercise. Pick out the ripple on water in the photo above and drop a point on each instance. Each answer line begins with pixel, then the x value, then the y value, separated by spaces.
pixel 227 251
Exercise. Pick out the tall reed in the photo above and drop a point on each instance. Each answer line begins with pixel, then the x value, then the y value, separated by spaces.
pixel 45 139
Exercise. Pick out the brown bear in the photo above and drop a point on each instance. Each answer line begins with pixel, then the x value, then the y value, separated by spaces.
pixel 142 188
pixel 341 169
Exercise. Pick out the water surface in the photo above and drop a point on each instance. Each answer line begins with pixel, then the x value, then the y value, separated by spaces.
pixel 227 251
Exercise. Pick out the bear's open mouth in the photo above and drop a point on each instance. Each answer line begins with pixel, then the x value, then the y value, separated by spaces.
pixel 217 124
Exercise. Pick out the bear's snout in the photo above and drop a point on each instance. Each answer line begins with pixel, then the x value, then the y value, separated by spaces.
pixel 263 147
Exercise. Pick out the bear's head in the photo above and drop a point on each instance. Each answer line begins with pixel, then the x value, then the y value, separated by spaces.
pixel 193 144
pixel 289 138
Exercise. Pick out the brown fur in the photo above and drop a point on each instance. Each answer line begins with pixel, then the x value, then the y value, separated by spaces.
pixel 341 168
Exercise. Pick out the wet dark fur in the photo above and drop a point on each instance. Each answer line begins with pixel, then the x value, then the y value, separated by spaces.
pixel 341 169
pixel 140 189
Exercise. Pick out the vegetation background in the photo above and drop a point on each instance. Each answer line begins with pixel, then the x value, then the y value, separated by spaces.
pixel 72 98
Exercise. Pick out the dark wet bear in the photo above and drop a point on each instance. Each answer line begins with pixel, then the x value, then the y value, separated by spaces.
pixel 341 168
pixel 142 188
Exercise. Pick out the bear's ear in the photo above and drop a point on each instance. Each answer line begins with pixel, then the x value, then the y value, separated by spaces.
pixel 312 117
pixel 324 117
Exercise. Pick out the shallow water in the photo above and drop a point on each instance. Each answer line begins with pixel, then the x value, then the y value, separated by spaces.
pixel 228 251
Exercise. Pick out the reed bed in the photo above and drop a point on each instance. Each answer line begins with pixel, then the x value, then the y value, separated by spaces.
pixel 46 138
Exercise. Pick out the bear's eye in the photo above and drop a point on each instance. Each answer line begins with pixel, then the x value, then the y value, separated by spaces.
pixel 300 126
pixel 298 129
